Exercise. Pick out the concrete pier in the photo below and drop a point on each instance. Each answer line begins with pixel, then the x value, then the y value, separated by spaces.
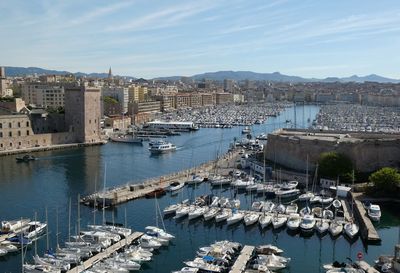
pixel 106 253
pixel 131 191
pixel 49 148
pixel 240 265
pixel 367 229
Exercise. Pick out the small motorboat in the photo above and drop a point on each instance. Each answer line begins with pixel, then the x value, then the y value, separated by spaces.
pixel 251 218
pixel 264 220
pixel 307 223
pixel 351 229
pixel 374 212
pixel 335 228
pixel 26 158
pixel 293 222
pixel 175 186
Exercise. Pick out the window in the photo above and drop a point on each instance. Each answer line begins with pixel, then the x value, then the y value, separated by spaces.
pixel 10 144
pixel 9 125
pixel 1 134
pixel 1 145
pixel 10 134
pixel 19 124
pixel 1 125
pixel 19 143
pixel 19 133
pixel 27 132
pixel 27 124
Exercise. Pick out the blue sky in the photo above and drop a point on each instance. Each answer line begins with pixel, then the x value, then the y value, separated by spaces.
pixel 146 38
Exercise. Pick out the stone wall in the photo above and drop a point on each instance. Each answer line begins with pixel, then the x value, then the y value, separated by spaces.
pixel 368 152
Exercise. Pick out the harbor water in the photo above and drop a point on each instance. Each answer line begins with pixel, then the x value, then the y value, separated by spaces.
pixel 58 177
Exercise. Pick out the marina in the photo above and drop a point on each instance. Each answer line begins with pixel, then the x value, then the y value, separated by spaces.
pixel 80 170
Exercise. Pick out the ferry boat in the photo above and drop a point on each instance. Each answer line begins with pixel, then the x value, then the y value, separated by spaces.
pixel 171 125
pixel 126 139
pixel 159 148
pixel 246 130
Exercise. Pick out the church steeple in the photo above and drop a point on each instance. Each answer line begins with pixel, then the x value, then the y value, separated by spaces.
pixel 110 75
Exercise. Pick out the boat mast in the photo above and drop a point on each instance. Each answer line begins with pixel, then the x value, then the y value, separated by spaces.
pixel 57 225
pixel 307 174
pixel 69 221
pixel 79 216
pixel 47 231
pixel 104 192
pixel 35 235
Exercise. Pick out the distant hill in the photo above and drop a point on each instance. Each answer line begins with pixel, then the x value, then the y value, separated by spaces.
pixel 23 71
pixel 218 76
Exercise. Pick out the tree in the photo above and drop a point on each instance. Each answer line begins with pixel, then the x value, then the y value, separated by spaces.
pixel 333 165
pixel 386 181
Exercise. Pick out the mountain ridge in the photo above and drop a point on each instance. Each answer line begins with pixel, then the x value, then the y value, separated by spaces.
pixel 217 75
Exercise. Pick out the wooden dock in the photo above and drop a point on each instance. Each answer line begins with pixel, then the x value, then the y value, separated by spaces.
pixel 106 253
pixel 240 264
pixel 367 229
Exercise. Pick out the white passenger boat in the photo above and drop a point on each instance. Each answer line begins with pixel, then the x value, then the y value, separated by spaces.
pixel 162 148
pixel 374 212
pixel 251 218
pixel 126 139
pixel 235 218
pixel 307 223
pixel 351 229
pixel 293 222
pixel 264 220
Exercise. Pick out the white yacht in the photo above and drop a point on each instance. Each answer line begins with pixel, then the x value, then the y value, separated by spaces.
pixel 187 270
pixel 160 148
pixel 171 208
pixel 35 229
pixel 175 186
pixel 147 241
pixel 182 211
pixel 306 196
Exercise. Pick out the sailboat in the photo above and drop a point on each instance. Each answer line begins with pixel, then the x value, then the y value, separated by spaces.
pixel 351 228
pixel 308 194
pixel 155 231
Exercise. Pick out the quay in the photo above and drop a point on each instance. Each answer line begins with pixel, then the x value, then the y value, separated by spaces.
pixel 367 229
pixel 131 191
pixel 240 264
pixel 49 148
pixel 106 253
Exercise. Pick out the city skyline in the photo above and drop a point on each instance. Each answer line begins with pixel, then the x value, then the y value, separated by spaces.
pixel 307 38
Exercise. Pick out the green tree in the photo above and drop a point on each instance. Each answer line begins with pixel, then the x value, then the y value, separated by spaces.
pixel 386 181
pixel 110 100
pixel 333 165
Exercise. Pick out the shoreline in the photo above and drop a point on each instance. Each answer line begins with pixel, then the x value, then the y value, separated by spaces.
pixel 49 148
